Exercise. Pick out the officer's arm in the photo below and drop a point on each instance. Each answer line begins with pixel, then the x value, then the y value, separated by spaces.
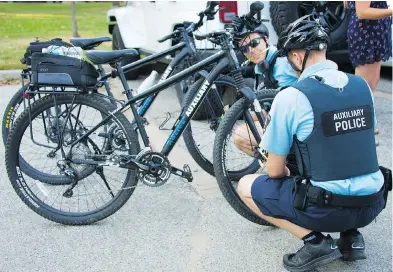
pixel 278 137
pixel 275 166
pixel 364 11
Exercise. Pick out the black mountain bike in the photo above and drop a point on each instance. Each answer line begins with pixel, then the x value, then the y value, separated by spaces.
pixel 96 148
pixel 186 56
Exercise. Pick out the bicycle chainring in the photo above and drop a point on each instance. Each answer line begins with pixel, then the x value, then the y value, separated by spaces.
pixel 159 168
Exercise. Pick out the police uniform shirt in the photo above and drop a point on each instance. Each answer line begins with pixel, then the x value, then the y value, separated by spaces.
pixel 282 70
pixel 292 114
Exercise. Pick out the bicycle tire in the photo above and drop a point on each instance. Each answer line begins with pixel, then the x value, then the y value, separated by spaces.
pixel 10 112
pixel 7 123
pixel 31 200
pixel 224 180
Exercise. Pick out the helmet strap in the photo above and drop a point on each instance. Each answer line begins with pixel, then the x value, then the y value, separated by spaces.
pixel 264 38
pixel 305 59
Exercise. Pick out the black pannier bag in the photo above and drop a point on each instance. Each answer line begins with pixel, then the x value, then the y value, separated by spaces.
pixel 36 47
pixel 61 71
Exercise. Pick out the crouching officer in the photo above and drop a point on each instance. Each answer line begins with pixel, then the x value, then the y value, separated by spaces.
pixel 329 118
pixel 270 71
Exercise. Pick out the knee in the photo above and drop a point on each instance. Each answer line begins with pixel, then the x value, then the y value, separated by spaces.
pixel 244 187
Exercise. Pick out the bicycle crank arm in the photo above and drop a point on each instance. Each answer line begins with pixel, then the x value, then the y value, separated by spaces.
pixel 185 173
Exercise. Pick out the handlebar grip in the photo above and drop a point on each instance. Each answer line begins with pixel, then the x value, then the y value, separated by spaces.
pixel 163 39
pixel 255 8
pixel 201 37
pixel 210 6
pixel 213 34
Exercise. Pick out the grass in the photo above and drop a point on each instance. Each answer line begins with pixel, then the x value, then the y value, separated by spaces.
pixel 21 23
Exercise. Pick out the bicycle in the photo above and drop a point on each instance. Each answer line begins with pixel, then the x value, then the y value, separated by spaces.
pixel 187 55
pixel 87 152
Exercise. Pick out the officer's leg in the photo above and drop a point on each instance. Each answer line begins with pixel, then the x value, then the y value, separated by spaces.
pixel 317 250
pixel 351 245
pixel 244 191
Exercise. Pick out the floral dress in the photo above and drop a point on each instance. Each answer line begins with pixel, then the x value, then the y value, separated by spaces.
pixel 369 41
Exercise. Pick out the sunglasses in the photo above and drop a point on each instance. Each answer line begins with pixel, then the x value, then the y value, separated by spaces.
pixel 253 43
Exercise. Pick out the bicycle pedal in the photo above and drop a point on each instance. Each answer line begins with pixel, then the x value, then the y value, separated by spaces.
pixel 185 173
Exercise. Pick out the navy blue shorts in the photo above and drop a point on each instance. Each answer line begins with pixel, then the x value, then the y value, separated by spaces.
pixel 274 197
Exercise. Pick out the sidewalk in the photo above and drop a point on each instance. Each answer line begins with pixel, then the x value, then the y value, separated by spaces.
pixel 9 74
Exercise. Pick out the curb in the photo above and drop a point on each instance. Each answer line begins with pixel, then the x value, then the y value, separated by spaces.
pixel 10 74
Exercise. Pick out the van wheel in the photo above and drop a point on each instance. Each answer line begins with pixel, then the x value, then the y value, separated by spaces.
pixel 285 12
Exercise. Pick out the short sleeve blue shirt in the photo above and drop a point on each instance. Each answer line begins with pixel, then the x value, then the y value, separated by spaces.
pixel 292 114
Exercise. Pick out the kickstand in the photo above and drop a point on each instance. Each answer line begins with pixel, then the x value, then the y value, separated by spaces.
pixel 168 117
pixel 100 172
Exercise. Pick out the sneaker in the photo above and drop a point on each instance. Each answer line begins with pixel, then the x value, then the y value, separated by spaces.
pixel 311 256
pixel 352 247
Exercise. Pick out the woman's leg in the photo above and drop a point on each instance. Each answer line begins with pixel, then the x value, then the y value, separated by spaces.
pixel 372 74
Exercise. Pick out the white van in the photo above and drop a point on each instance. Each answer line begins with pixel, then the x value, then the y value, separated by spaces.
pixel 141 23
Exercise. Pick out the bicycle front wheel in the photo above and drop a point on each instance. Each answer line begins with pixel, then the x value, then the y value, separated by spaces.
pixel 229 158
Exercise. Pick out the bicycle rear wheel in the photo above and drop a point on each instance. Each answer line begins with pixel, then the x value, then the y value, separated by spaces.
pixel 99 190
pixel 12 110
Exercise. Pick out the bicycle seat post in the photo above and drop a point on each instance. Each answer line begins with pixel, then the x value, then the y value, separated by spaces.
pixel 106 84
pixel 123 79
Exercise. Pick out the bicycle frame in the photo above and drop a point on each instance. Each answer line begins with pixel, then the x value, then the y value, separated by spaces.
pixel 225 60
pixel 186 50
pixel 221 57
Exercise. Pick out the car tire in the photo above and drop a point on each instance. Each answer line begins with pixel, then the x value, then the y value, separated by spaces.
pixel 285 12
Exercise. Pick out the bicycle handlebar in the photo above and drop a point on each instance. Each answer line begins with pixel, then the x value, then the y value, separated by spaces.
pixel 174 33
pixel 255 8
pixel 209 12
pixel 210 7
pixel 212 34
